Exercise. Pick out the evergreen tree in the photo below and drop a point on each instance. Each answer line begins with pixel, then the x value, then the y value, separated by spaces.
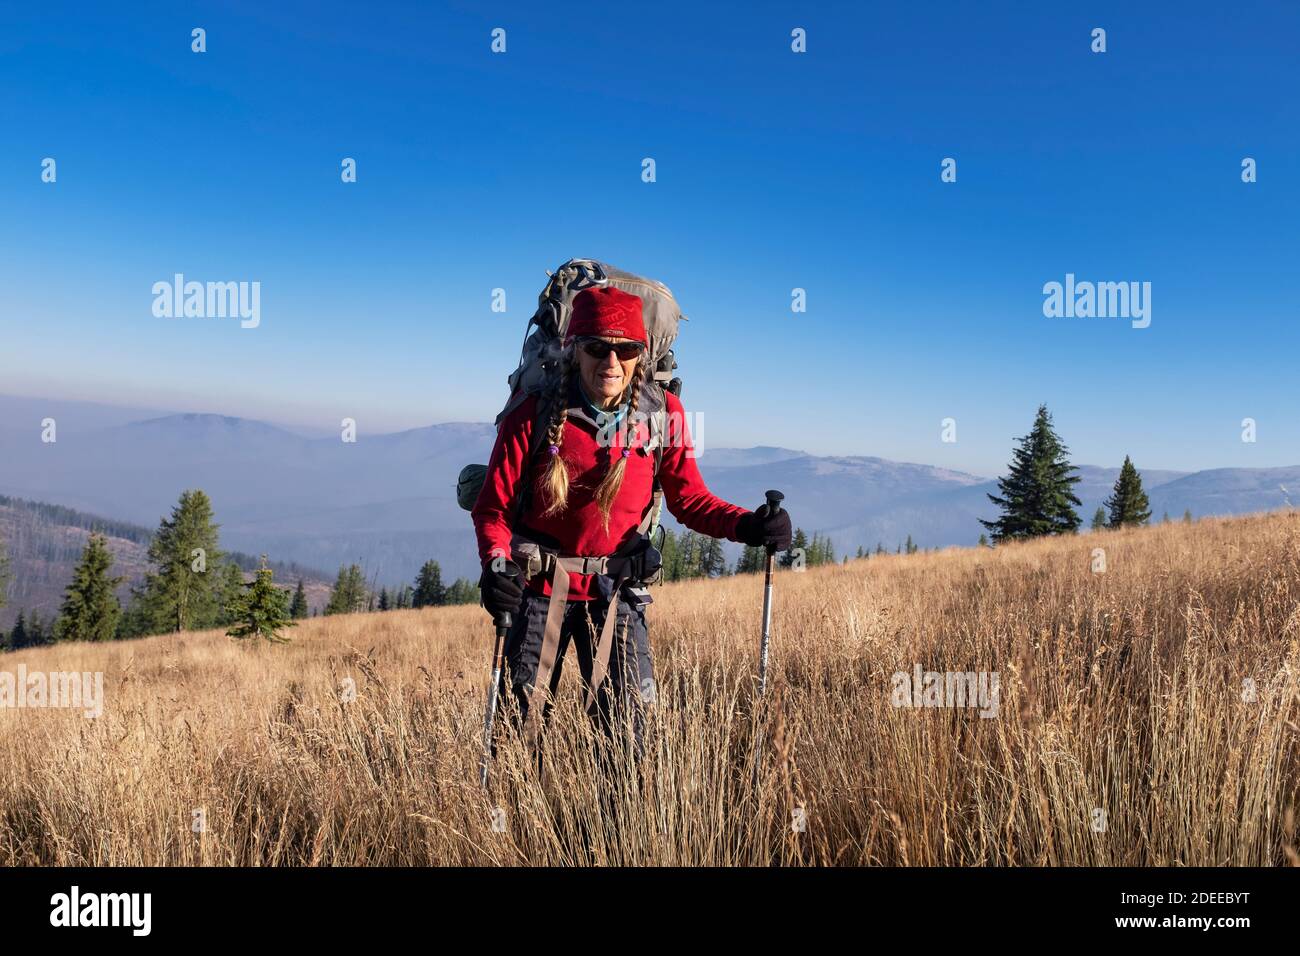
pixel 38 632
pixel 230 593
pixel 859 556
pixel 349 595
pixel 298 609
pixel 799 543
pixel 181 593
pixel 1099 519
pixel 18 637
pixel 339 602
pixel 1165 519
pixel 688 560
pixel 1127 504
pixel 384 604
pixel 712 558
pixel 668 555
pixel 429 591
pixel 462 591
pixel 753 558
pixel 910 547
pixel 983 541
pixel 1187 516
pixel 880 547
pixel 135 620
pixel 263 610
pixel 90 608
pixel 406 595
pixel 1037 496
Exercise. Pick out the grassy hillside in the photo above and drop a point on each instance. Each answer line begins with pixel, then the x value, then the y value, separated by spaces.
pixel 1121 693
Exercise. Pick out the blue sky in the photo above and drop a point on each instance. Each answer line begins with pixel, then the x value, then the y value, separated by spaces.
pixel 775 170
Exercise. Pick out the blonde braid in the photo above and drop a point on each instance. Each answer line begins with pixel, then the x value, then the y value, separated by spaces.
pixel 608 489
pixel 557 475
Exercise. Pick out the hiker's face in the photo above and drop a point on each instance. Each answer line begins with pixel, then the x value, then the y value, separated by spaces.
pixel 605 379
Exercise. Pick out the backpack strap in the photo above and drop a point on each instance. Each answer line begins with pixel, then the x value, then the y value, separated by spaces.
pixel 650 520
pixel 561 567
pixel 540 425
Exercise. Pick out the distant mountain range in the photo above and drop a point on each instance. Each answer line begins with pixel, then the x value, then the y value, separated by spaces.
pixel 388 501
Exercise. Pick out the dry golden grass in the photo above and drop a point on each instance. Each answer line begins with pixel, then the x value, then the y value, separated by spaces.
pixel 1120 691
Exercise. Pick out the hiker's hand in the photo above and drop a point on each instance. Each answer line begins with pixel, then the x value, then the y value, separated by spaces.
pixel 503 590
pixel 760 529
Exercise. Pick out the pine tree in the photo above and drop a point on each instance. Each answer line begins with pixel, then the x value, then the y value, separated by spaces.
pixel 90 608
pixel 298 609
pixel 910 547
pixel 180 594
pixel 429 591
pixel 1099 519
pixel 462 591
pixel 983 541
pixel 859 556
pixel 384 604
pixel 18 637
pixel 712 558
pixel 230 593
pixel 37 630
pixel 688 549
pixel 263 610
pixel 880 547
pixel 1165 519
pixel 349 595
pixel 1187 516
pixel 753 558
pixel 339 602
pixel 1128 503
pixel 1036 497
pixel 799 543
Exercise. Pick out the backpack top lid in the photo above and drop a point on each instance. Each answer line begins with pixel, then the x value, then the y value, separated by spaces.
pixel 540 356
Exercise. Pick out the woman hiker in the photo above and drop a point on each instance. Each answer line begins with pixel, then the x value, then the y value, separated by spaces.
pixel 578 543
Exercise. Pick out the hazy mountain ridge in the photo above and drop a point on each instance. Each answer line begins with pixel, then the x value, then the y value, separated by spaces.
pixel 388 500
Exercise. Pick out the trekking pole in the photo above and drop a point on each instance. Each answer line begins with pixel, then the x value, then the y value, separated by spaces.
pixel 774 499
pixel 502 622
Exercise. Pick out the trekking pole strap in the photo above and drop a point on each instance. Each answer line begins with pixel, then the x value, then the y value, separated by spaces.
pixel 561 567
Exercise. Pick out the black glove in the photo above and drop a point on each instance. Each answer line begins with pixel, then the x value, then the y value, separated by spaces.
pixel 502 590
pixel 760 529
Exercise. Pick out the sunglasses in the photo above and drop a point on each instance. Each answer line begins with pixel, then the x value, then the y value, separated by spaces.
pixel 599 349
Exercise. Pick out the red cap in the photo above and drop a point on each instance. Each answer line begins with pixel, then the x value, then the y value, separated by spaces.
pixel 607 312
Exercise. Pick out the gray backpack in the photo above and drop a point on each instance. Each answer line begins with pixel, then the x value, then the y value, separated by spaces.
pixel 539 360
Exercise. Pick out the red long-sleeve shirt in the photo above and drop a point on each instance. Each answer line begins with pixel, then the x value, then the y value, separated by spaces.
pixel 577 530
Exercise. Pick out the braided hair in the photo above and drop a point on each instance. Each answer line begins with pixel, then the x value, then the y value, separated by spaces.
pixel 557 475
pixel 556 481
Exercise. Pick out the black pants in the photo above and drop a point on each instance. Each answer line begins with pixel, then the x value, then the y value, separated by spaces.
pixel 629 684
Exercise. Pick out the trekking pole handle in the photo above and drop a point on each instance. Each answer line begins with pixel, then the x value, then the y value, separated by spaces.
pixel 774 499
pixel 502 620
